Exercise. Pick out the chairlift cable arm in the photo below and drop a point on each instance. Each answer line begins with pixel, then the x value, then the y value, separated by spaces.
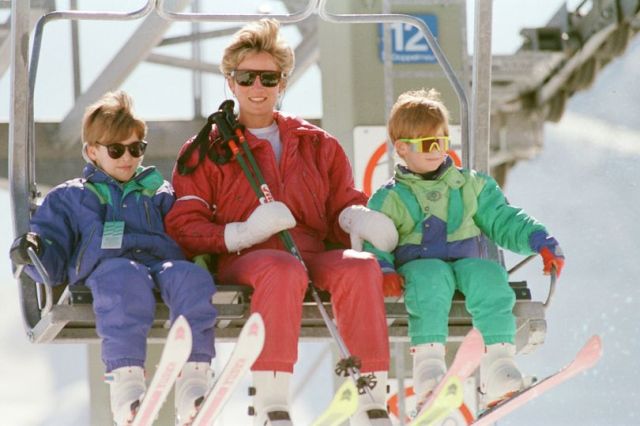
pixel 233 17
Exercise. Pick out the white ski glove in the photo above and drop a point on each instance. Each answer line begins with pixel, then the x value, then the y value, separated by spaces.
pixel 265 221
pixel 362 224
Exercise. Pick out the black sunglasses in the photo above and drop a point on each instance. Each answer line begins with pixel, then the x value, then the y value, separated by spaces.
pixel 117 150
pixel 248 77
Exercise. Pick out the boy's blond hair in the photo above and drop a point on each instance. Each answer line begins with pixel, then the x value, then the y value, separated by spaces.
pixel 416 114
pixel 111 119
pixel 255 37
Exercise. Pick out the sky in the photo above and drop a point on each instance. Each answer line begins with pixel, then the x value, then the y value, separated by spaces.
pixel 583 186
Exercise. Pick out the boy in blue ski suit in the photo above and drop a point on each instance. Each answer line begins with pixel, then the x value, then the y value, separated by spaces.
pixel 106 230
pixel 445 216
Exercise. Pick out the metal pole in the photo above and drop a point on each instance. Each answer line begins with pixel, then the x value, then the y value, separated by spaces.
pixel 196 55
pixel 388 82
pixel 18 115
pixel 233 17
pixel 20 179
pixel 478 155
pixel 75 54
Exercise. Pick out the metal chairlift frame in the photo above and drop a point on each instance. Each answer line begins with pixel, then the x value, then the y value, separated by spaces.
pixel 71 319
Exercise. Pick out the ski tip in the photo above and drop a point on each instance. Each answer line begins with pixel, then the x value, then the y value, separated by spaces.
pixel 592 350
pixel 448 398
pixel 343 405
pixel 181 329
pixel 181 320
pixel 474 337
pixel 255 324
pixel 347 397
pixel 254 329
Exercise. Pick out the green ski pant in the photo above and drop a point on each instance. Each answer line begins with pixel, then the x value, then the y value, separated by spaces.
pixel 429 288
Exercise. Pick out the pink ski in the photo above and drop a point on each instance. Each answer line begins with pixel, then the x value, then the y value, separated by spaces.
pixel 467 359
pixel 586 358
pixel 247 349
pixel 174 355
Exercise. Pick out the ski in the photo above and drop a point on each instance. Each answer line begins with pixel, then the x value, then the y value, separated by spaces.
pixel 467 359
pixel 586 358
pixel 342 406
pixel 244 354
pixel 449 399
pixel 174 355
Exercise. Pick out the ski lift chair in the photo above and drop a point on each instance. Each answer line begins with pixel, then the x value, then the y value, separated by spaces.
pixel 66 314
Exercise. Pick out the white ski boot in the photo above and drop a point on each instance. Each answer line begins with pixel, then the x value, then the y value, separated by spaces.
pixel 429 368
pixel 373 413
pixel 271 398
pixel 127 387
pixel 191 386
pixel 499 375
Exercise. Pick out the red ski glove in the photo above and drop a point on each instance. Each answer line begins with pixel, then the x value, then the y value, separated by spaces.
pixel 392 284
pixel 552 257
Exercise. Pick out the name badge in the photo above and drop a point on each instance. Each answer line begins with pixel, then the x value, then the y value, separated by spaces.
pixel 112 235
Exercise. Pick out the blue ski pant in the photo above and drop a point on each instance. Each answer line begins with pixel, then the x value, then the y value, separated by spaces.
pixel 124 306
pixel 429 288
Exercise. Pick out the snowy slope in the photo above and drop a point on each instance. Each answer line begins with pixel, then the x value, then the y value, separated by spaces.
pixel 584 187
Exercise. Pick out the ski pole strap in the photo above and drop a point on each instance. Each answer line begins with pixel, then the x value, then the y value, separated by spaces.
pixel 221 151
pixel 201 143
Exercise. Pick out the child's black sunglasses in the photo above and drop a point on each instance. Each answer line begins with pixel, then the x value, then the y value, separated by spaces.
pixel 248 77
pixel 117 150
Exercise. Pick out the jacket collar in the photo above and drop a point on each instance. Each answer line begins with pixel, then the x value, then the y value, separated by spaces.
pixel 146 179
pixel 447 173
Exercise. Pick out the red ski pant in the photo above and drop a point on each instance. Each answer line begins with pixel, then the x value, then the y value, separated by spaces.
pixel 279 280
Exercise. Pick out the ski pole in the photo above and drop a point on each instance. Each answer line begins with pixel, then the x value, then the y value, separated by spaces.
pixel 231 133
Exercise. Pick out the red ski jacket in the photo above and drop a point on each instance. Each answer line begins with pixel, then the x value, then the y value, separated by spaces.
pixel 314 179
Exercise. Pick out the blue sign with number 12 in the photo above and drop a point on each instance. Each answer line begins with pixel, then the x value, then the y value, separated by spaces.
pixel 408 45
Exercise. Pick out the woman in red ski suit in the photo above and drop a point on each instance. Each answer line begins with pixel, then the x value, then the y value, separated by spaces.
pixel 310 177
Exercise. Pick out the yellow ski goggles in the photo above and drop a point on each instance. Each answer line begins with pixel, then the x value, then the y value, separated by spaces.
pixel 429 144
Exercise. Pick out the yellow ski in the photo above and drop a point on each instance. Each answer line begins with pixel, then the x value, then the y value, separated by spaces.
pixel 449 399
pixel 342 406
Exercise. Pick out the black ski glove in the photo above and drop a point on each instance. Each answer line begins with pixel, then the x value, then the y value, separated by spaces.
pixel 18 251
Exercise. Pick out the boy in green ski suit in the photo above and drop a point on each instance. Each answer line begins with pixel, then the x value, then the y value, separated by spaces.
pixel 445 217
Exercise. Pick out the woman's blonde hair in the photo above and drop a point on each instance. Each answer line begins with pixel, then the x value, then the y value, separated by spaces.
pixel 416 113
pixel 255 37
pixel 111 119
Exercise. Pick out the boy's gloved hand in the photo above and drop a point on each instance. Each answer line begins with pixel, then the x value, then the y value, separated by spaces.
pixel 549 249
pixel 552 256
pixel 18 251
pixel 363 224
pixel 265 221
pixel 392 284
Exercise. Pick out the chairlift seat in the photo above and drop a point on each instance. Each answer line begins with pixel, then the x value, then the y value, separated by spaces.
pixel 71 319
